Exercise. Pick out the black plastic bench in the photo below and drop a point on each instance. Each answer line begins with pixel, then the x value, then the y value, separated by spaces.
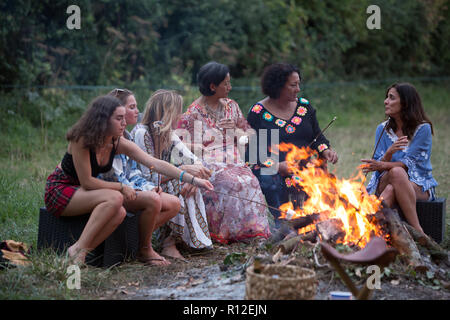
pixel 431 216
pixel 60 233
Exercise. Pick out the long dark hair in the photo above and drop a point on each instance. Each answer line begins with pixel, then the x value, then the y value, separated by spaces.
pixel 412 112
pixel 93 124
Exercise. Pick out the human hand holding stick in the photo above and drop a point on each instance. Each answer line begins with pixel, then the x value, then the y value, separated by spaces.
pixel 202 183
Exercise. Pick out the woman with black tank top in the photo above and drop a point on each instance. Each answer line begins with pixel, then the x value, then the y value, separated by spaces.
pixel 73 188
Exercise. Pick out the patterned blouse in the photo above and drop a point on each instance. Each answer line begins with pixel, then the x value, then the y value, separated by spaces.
pixel 300 129
pixel 416 156
pixel 219 146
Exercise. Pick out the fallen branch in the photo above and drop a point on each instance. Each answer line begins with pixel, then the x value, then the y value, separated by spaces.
pixel 316 260
pixel 290 244
pixel 435 250
pixel 402 240
pixel 290 226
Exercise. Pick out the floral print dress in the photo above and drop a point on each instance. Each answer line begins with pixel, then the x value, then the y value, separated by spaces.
pixel 230 218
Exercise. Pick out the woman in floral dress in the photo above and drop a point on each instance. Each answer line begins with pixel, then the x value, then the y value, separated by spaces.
pixel 217 131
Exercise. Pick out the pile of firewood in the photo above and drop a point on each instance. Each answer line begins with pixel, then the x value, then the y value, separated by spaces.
pixel 401 236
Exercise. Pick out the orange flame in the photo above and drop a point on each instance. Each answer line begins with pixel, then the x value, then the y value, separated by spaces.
pixel 344 199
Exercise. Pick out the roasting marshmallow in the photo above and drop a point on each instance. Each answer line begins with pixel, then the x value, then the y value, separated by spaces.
pixel 243 140
pixel 290 214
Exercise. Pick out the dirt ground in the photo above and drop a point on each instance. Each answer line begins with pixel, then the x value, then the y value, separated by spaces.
pixel 219 274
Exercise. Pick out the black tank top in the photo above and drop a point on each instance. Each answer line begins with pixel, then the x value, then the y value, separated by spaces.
pixel 69 168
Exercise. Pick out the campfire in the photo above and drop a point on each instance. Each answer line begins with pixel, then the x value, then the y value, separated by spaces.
pixel 334 211
pixel 341 208
pixel 340 211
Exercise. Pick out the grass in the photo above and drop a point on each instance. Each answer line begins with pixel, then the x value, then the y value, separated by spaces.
pixel 32 143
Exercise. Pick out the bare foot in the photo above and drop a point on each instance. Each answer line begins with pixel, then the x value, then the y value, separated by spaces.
pixel 172 252
pixel 77 255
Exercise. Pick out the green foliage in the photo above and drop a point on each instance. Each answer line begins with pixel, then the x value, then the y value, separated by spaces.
pixel 234 258
pixel 156 43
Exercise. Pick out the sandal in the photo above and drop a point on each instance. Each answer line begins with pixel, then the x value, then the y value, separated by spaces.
pixel 181 258
pixel 151 261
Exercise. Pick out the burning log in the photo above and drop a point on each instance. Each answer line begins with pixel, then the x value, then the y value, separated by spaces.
pixel 290 226
pixel 331 230
pixel 302 222
pixel 402 240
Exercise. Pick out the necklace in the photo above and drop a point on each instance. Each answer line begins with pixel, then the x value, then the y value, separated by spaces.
pixel 217 113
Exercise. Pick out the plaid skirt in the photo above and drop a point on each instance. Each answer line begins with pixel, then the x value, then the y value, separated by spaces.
pixel 59 189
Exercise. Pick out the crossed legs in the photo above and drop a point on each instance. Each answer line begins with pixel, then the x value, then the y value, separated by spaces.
pixel 395 187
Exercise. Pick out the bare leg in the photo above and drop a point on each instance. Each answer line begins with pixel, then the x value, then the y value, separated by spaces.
pixel 171 207
pixel 403 193
pixel 149 202
pixel 420 195
pixel 388 195
pixel 107 213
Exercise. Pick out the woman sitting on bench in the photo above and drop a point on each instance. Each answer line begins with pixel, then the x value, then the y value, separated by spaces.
pixel 401 164
pixel 73 189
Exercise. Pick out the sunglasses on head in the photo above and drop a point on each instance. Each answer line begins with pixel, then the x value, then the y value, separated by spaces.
pixel 118 91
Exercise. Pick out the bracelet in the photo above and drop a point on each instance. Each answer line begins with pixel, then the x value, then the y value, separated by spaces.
pixel 181 175
pixel 192 181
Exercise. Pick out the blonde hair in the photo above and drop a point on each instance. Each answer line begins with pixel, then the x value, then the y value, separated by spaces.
pixel 166 106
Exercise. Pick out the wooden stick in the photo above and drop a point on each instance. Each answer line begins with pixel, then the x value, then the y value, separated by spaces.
pixel 321 132
pixel 374 150
pixel 245 199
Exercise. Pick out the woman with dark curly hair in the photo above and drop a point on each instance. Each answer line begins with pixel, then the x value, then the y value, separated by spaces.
pixel 401 164
pixel 293 120
pixel 73 189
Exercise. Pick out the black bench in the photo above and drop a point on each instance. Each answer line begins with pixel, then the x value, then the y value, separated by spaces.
pixel 60 233
pixel 431 216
